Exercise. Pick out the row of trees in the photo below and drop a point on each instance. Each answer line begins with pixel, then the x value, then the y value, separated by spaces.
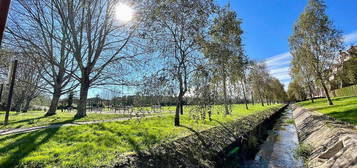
pixel 177 49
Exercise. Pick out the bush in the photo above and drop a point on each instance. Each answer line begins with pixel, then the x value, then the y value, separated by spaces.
pixel 346 91
pixel 304 151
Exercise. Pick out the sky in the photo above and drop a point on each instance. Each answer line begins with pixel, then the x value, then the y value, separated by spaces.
pixel 267 25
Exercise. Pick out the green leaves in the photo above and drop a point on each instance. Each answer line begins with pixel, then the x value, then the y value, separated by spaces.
pixel 314 46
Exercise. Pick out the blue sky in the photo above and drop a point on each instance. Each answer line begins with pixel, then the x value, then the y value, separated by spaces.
pixel 268 24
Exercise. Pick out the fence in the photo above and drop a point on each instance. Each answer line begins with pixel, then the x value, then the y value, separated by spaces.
pixel 346 91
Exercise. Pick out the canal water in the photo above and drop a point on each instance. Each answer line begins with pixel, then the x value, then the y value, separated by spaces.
pixel 279 148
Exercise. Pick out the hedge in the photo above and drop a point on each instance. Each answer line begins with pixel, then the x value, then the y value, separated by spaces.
pixel 346 91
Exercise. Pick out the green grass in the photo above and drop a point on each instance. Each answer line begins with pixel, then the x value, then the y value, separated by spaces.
pixel 36 118
pixel 99 144
pixel 344 108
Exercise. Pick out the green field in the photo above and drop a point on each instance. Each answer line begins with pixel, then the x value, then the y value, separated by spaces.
pixel 36 118
pixel 344 108
pixel 99 144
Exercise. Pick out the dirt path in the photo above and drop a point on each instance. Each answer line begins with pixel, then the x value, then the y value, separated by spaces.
pixel 32 129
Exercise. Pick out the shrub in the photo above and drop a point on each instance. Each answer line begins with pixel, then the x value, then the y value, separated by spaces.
pixel 304 151
pixel 346 91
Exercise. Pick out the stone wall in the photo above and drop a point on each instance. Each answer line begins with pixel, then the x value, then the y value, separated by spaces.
pixel 333 143
pixel 208 148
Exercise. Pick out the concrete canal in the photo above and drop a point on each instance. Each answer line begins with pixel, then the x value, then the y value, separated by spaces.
pixel 277 151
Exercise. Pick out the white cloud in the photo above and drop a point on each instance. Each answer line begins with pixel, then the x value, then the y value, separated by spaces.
pixel 279 70
pixel 350 38
pixel 278 59
pixel 278 66
pixel 282 76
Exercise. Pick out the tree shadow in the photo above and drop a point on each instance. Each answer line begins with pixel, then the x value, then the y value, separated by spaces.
pixel 226 127
pixel 328 107
pixel 26 120
pixel 198 135
pixel 349 116
pixel 148 141
pixel 23 146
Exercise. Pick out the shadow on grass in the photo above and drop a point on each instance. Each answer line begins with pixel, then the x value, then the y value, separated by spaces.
pixel 349 116
pixel 23 146
pixel 324 100
pixel 148 140
pixel 27 120
pixel 198 134
pixel 328 107
pixel 228 130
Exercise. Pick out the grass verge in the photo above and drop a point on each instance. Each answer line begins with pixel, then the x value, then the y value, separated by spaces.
pixel 37 118
pixel 94 145
pixel 344 108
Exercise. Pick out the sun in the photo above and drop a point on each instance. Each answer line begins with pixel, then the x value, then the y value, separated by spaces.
pixel 124 13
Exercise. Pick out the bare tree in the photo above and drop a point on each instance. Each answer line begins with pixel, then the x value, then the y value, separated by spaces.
pixel 29 84
pixel 37 30
pixel 97 41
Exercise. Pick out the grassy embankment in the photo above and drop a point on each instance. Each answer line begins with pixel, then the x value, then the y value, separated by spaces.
pixel 344 108
pixel 97 144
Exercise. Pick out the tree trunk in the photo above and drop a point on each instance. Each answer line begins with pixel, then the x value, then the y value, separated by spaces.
pixel 177 114
pixel 261 97
pixel 1 88
pixel 82 105
pixel 27 105
pixel 245 97
pixel 225 94
pixel 181 107
pixel 54 102
pixel 311 94
pixel 252 99
pixel 326 92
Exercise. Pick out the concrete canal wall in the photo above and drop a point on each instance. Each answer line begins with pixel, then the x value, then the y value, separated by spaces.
pixel 332 143
pixel 210 148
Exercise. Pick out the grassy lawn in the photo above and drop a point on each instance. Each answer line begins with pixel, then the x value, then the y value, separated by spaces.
pixel 344 108
pixel 36 118
pixel 98 144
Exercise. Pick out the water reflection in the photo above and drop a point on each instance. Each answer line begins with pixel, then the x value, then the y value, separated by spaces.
pixel 278 150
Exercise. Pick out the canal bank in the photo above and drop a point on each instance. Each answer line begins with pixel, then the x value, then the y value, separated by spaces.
pixel 208 148
pixel 327 142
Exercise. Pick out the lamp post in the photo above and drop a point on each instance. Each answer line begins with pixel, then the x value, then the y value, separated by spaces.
pixel 4 10
pixel 11 90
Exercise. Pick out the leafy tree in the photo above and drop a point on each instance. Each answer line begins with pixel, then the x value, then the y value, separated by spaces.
pixel 257 77
pixel 316 41
pixel 278 92
pixel 295 91
pixel 224 50
pixel 175 28
pixel 348 72
pixel 303 76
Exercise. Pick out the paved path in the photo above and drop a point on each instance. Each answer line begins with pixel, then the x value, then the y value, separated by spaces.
pixel 31 129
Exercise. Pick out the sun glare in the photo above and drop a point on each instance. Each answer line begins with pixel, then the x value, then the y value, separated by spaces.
pixel 124 13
